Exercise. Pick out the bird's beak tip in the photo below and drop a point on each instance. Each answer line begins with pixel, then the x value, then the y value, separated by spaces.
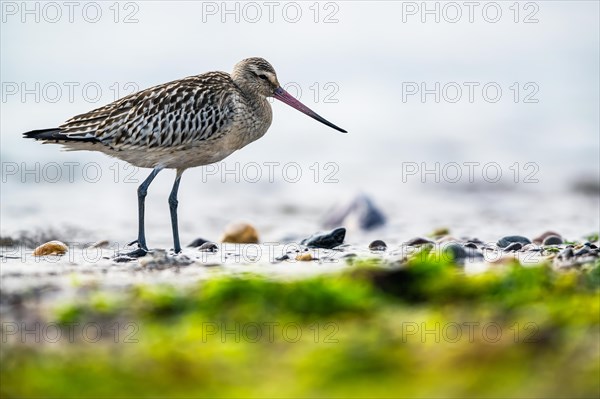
pixel 286 98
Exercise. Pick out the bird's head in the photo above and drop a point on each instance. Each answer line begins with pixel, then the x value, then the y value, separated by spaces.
pixel 258 76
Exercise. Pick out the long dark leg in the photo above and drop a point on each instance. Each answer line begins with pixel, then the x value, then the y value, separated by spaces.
pixel 142 191
pixel 173 208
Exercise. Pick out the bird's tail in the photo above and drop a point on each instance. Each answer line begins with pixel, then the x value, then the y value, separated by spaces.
pixel 55 134
pixel 44 134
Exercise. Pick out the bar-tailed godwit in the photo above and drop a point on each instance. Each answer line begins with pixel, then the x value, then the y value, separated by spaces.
pixel 178 125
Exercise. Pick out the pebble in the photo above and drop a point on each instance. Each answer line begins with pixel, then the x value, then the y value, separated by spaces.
pixel 197 243
pixel 360 211
pixel 282 258
pixel 305 257
pixel 471 245
pixel 51 248
pixel 418 241
pixel 515 246
pixel 458 252
pixel 440 231
pixel 326 240
pixel 377 245
pixel 581 252
pixel 540 239
pixel 506 241
pixel 552 240
pixel 240 233
pixel 208 247
pixel 567 253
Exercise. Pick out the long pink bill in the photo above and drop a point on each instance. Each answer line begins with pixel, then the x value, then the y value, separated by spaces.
pixel 287 98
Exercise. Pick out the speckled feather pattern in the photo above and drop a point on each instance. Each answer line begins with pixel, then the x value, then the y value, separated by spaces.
pixel 185 123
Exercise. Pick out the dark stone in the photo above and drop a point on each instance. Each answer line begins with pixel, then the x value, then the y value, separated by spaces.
pixel 208 247
pixel 506 241
pixel 197 243
pixel 471 245
pixel 327 240
pixel 540 239
pixel 377 245
pixel 552 240
pixel 581 252
pixel 282 258
pixel 457 251
pixel 567 253
pixel 418 241
pixel 515 246
pixel 361 208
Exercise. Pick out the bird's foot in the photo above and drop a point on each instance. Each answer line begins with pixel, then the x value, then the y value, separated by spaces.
pixel 136 253
pixel 131 255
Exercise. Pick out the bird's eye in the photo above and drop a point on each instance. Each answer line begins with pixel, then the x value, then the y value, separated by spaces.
pixel 264 77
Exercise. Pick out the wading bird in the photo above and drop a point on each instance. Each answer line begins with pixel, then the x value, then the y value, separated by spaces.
pixel 178 125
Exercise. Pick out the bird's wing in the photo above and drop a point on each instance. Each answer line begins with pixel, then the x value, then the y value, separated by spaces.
pixel 172 114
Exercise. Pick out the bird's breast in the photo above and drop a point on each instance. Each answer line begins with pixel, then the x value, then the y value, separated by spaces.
pixel 253 119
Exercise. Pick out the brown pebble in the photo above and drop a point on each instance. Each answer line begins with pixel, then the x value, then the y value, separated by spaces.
pixel 240 233
pixel 51 248
pixel 304 257
pixel 440 231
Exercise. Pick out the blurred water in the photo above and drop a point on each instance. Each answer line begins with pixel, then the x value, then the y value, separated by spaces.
pixel 362 65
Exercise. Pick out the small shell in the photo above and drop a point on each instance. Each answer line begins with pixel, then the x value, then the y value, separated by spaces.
pixel 51 248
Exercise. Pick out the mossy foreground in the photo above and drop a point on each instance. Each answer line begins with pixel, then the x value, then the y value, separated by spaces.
pixel 423 330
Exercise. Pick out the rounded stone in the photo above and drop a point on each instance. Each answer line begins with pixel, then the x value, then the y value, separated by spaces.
pixel 305 257
pixel 515 246
pixel 240 233
pixel 378 245
pixel 208 247
pixel 540 239
pixel 51 248
pixel 552 240
pixel 506 241
pixel 456 250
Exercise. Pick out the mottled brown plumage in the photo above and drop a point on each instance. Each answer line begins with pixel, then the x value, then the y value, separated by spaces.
pixel 189 122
